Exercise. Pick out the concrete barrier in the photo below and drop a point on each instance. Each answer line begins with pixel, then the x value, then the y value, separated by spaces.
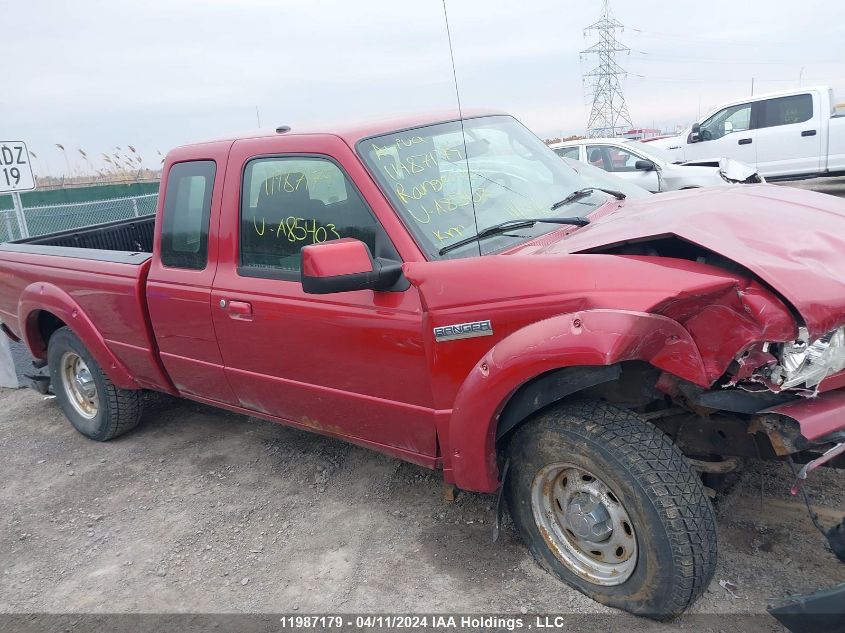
pixel 8 373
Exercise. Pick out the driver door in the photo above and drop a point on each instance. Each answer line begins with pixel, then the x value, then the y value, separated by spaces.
pixel 349 364
pixel 728 133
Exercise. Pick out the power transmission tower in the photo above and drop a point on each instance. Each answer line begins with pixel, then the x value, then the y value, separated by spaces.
pixel 609 113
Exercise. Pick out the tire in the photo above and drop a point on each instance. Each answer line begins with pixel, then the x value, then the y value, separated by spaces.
pixel 93 404
pixel 656 565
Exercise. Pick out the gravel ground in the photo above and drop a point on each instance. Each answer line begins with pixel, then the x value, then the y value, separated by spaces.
pixel 835 185
pixel 200 510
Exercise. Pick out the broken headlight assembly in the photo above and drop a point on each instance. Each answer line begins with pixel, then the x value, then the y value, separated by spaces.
pixel 806 364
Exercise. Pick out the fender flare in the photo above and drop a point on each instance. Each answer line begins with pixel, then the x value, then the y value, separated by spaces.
pixel 43 296
pixel 584 338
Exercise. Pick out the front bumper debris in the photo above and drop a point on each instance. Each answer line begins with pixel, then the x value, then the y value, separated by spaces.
pixel 817 417
pixel 819 612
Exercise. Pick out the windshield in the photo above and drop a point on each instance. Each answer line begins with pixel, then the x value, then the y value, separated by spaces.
pixel 442 197
pixel 651 151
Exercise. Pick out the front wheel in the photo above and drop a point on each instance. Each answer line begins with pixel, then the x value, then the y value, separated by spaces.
pixel 608 503
pixel 93 404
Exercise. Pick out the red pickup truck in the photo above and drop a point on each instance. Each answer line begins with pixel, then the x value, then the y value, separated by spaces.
pixel 449 292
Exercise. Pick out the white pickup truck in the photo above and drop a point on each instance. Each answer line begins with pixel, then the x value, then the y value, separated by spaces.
pixel 784 135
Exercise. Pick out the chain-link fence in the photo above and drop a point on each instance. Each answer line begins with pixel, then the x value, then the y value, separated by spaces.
pixel 62 217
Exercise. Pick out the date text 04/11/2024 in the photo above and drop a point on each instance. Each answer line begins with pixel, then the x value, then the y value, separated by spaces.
pixel 471 622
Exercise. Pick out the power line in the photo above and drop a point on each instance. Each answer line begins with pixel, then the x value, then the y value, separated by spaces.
pixel 686 37
pixel 609 112
pixel 717 80
pixel 671 58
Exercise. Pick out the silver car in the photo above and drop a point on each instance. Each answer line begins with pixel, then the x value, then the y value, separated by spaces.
pixel 599 178
pixel 651 167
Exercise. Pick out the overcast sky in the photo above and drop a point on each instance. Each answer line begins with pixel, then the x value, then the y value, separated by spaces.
pixel 159 73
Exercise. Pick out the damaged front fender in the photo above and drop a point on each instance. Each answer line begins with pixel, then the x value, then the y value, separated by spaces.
pixel 735 316
pixel 578 339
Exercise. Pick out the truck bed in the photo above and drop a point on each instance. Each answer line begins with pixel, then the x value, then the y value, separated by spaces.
pixel 133 235
pixel 96 276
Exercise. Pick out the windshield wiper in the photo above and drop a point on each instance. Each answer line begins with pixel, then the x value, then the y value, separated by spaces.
pixel 510 225
pixel 583 193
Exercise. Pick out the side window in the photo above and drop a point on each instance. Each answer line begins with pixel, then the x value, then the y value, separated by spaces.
pixel 187 204
pixel 567 152
pixel 727 121
pixel 619 159
pixel 596 157
pixel 288 203
pixel 787 110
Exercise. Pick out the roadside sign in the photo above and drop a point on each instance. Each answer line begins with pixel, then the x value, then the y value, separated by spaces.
pixel 15 168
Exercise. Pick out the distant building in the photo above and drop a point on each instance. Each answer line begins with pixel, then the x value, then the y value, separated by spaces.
pixel 639 133
pixel 561 138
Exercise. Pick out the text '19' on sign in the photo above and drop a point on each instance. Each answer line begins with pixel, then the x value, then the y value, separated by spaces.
pixel 15 168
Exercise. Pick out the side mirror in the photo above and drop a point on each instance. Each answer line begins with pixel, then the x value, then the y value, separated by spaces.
pixel 344 265
pixel 695 133
pixel 644 165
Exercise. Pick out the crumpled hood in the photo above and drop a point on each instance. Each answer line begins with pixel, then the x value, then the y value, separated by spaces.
pixel 794 240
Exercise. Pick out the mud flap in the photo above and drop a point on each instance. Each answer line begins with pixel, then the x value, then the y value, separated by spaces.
pixel 39 382
pixel 819 612
pixel 500 504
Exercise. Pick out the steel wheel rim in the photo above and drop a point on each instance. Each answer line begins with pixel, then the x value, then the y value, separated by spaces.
pixel 584 524
pixel 79 385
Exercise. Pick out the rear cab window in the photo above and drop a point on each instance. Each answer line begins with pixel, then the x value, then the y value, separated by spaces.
pixel 187 206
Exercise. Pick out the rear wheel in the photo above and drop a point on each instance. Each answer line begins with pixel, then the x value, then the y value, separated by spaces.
pixel 608 504
pixel 93 404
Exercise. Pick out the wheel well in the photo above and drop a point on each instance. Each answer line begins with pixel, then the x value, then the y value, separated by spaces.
pixel 46 324
pixel 632 385
pixel 628 383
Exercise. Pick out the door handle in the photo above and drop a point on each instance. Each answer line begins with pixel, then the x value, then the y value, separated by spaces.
pixel 808 133
pixel 744 141
pixel 240 310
